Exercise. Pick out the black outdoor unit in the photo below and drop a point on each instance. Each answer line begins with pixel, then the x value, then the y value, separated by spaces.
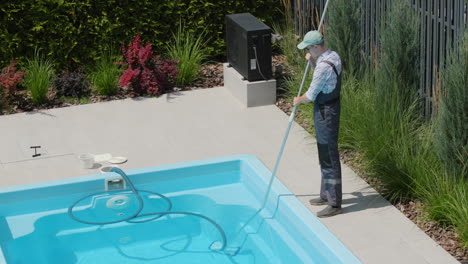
pixel 248 42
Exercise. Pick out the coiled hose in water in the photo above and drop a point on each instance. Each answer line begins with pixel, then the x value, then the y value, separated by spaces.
pixel 132 218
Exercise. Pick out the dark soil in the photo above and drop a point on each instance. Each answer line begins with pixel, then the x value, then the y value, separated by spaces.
pixel 211 76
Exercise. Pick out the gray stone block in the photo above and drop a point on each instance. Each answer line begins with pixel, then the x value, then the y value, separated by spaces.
pixel 250 94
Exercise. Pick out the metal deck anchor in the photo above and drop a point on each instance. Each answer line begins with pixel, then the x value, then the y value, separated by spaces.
pixel 35 151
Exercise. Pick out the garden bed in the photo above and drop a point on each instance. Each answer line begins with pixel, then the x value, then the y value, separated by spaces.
pixel 211 75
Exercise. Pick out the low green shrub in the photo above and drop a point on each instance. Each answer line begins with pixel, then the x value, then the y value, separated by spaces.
pixel 189 51
pixel 105 75
pixel 38 78
pixel 445 197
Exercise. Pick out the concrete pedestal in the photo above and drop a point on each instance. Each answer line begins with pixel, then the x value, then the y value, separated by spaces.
pixel 249 93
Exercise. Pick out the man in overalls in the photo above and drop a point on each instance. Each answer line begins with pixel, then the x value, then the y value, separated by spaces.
pixel 325 92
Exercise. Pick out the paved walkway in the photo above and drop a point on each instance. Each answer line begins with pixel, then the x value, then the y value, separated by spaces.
pixel 204 124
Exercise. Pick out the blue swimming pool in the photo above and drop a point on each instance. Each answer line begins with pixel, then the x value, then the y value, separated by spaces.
pixel 211 202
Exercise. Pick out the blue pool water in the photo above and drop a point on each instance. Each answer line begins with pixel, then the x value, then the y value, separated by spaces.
pixel 35 225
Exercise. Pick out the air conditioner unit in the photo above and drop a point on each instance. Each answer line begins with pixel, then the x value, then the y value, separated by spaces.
pixel 248 42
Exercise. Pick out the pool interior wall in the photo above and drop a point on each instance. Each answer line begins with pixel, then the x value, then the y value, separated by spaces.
pixel 227 189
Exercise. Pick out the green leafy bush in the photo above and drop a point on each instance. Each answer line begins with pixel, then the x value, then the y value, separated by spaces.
pixel 72 33
pixel 189 52
pixel 39 73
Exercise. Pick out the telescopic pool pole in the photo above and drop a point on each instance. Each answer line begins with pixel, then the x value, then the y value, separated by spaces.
pixel 291 119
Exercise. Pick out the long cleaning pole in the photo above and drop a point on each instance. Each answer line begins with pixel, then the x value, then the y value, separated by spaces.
pixel 291 119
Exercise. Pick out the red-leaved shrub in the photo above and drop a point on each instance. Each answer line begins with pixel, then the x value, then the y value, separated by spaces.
pixel 146 73
pixel 9 79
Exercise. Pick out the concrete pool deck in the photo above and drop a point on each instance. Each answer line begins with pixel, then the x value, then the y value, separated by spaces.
pixel 203 124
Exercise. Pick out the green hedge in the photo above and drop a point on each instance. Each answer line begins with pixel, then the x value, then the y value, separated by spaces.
pixel 75 32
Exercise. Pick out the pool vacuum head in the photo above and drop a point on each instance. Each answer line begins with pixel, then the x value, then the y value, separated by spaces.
pixel 232 251
pixel 216 246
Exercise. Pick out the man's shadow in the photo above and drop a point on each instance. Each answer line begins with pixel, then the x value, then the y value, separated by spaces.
pixel 359 201
pixel 362 202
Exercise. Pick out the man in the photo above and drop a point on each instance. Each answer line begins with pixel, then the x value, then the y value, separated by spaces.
pixel 325 92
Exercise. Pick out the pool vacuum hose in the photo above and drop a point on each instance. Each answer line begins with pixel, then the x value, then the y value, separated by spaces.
pixel 215 246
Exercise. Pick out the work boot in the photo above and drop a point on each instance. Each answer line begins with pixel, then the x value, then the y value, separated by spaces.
pixel 329 211
pixel 318 201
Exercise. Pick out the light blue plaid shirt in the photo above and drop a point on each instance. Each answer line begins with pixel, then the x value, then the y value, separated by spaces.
pixel 324 79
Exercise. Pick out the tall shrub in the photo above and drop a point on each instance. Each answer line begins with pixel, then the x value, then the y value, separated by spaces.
pixel 451 133
pixel 343 34
pixel 399 56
